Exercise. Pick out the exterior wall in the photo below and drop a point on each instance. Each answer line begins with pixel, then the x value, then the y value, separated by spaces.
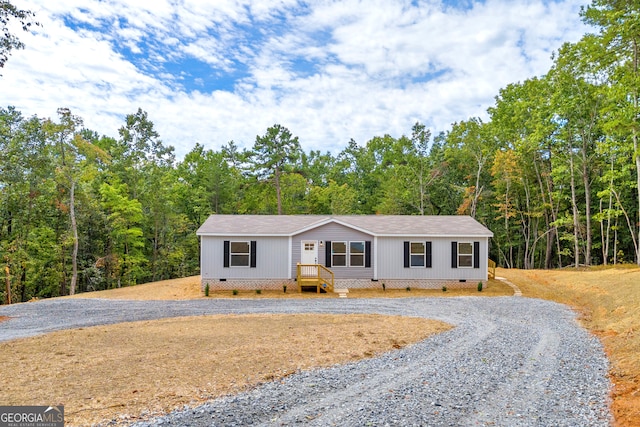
pixel 272 259
pixel 276 266
pixel 391 260
pixel 333 232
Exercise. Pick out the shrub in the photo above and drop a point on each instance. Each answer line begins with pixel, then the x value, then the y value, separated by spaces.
pixel 479 286
pixel 444 289
pixel 408 288
pixel 234 292
pixel 258 291
pixel 206 290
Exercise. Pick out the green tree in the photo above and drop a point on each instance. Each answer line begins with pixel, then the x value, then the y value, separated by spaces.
pixel 506 183
pixel 470 147
pixel 273 154
pixel 127 243
pixel 8 41
pixel 577 104
pixel 360 168
pixel 333 199
pixel 409 172
pixel 522 119
pixel 75 157
pixel 615 49
pixel 27 191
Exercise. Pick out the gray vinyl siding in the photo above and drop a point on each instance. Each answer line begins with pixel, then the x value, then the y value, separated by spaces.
pixel 272 258
pixel 330 233
pixel 391 259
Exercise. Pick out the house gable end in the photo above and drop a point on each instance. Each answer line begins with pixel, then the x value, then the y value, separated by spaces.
pixel 332 221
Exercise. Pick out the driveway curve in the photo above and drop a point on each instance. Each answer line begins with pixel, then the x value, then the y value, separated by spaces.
pixel 509 362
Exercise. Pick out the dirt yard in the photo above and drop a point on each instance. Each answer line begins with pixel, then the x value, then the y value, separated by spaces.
pixel 608 301
pixel 130 371
pixel 189 288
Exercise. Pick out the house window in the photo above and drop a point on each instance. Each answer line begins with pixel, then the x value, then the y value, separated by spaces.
pixel 339 254
pixel 356 254
pixel 465 254
pixel 417 254
pixel 240 254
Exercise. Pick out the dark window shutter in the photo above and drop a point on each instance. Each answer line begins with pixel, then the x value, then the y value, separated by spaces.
pixel 476 254
pixel 327 254
pixel 407 262
pixel 367 254
pixel 226 254
pixel 454 254
pixel 427 250
pixel 253 254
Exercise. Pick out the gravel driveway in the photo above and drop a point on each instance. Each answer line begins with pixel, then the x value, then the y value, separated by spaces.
pixel 509 362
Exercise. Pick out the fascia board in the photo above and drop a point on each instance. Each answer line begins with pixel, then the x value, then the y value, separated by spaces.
pixel 436 235
pixel 210 234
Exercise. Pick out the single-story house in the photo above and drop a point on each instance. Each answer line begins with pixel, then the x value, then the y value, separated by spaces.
pixel 360 251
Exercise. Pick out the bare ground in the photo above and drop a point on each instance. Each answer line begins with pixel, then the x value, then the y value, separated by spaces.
pixel 189 288
pixel 131 370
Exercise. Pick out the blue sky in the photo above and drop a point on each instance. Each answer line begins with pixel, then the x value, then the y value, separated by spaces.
pixel 215 71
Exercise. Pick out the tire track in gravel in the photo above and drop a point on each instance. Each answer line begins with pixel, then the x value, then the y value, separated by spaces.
pixel 336 407
pixel 528 383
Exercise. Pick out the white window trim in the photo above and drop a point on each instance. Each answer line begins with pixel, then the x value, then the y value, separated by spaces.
pixel 465 255
pixel 347 254
pixel 424 255
pixel 363 254
pixel 231 254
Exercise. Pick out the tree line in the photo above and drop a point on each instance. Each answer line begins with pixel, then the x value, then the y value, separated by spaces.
pixel 554 172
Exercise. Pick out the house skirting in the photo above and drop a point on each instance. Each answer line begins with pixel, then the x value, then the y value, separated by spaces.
pixel 404 283
pixel 276 284
pixel 248 284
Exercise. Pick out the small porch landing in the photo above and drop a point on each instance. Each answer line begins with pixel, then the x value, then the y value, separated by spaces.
pixel 316 276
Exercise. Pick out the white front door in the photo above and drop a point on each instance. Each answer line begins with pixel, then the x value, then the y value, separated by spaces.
pixel 309 252
pixel 309 255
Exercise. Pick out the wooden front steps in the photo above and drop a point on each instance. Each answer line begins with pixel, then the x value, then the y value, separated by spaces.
pixel 316 276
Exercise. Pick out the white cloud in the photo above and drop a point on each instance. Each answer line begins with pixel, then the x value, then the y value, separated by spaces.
pixel 376 67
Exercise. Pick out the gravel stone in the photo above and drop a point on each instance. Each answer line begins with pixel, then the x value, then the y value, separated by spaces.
pixel 508 362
